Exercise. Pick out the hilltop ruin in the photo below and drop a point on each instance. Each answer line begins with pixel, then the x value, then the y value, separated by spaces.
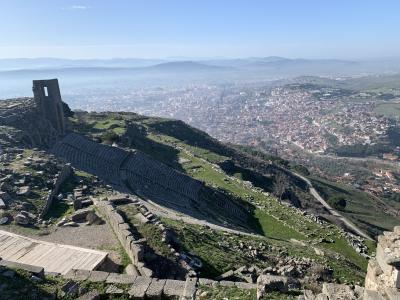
pixel 37 121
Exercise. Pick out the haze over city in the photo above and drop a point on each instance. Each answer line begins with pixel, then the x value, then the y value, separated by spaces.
pixel 199 150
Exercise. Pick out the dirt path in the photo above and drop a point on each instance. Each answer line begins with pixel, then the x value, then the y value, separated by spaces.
pixel 332 211
pixel 178 216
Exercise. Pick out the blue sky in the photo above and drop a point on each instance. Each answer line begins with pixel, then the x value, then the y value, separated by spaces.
pixel 202 28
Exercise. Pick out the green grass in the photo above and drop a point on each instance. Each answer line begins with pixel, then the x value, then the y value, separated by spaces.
pixel 223 293
pixel 125 260
pixel 22 287
pixel 361 207
pixel 215 249
pixel 273 228
pixel 152 233
pixel 276 222
pixel 58 210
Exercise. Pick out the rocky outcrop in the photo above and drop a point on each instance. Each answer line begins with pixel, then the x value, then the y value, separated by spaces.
pixel 383 274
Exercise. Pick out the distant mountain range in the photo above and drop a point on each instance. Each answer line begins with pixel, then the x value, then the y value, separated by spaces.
pixel 271 63
pixel 15 74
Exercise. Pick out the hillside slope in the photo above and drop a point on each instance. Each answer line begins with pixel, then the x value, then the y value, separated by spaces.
pixel 240 176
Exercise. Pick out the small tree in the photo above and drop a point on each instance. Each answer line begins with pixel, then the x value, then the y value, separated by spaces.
pixel 280 185
pixel 338 202
pixel 109 137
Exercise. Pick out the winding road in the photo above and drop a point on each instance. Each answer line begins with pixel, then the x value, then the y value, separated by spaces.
pixel 332 211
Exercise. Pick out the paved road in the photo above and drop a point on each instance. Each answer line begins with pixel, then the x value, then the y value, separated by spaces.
pixel 332 211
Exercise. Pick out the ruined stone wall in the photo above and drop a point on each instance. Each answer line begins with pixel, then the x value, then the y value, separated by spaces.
pixel 383 274
pixel 41 119
pixel 48 98
pixel 134 248
pixel 62 176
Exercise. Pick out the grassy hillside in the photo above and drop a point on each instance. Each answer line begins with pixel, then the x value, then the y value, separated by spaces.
pixel 248 179
pixel 365 210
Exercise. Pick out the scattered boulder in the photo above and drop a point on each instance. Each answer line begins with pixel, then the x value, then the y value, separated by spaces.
pixel 26 206
pixel 70 224
pixel 267 283
pixel 21 219
pixel 4 220
pixel 77 204
pixel 24 191
pixel 86 203
pixel 62 222
pixel 340 291
pixel 2 204
pixel 80 215
pixel 119 199
pixel 93 219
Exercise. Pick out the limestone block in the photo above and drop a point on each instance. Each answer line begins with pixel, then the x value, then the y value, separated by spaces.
pixel 79 275
pixel 338 291
pixel 98 276
pixel 207 282
pixel 146 272
pixel 381 258
pixel 139 287
pixel 226 275
pixel 34 270
pixel 189 292
pixel 155 290
pixel 118 218
pixel 226 283
pixel 124 226
pixel 396 230
pixel 137 252
pixel 245 285
pixel 272 283
pixel 372 295
pixel 392 293
pixel 120 278
pixel 80 215
pixel 173 287
pixel 131 270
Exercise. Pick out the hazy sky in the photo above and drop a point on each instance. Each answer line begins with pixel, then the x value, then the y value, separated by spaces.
pixel 201 28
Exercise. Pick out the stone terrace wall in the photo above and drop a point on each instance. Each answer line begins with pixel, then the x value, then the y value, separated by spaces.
pixel 139 287
pixel 383 274
pixel 62 176
pixel 133 247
